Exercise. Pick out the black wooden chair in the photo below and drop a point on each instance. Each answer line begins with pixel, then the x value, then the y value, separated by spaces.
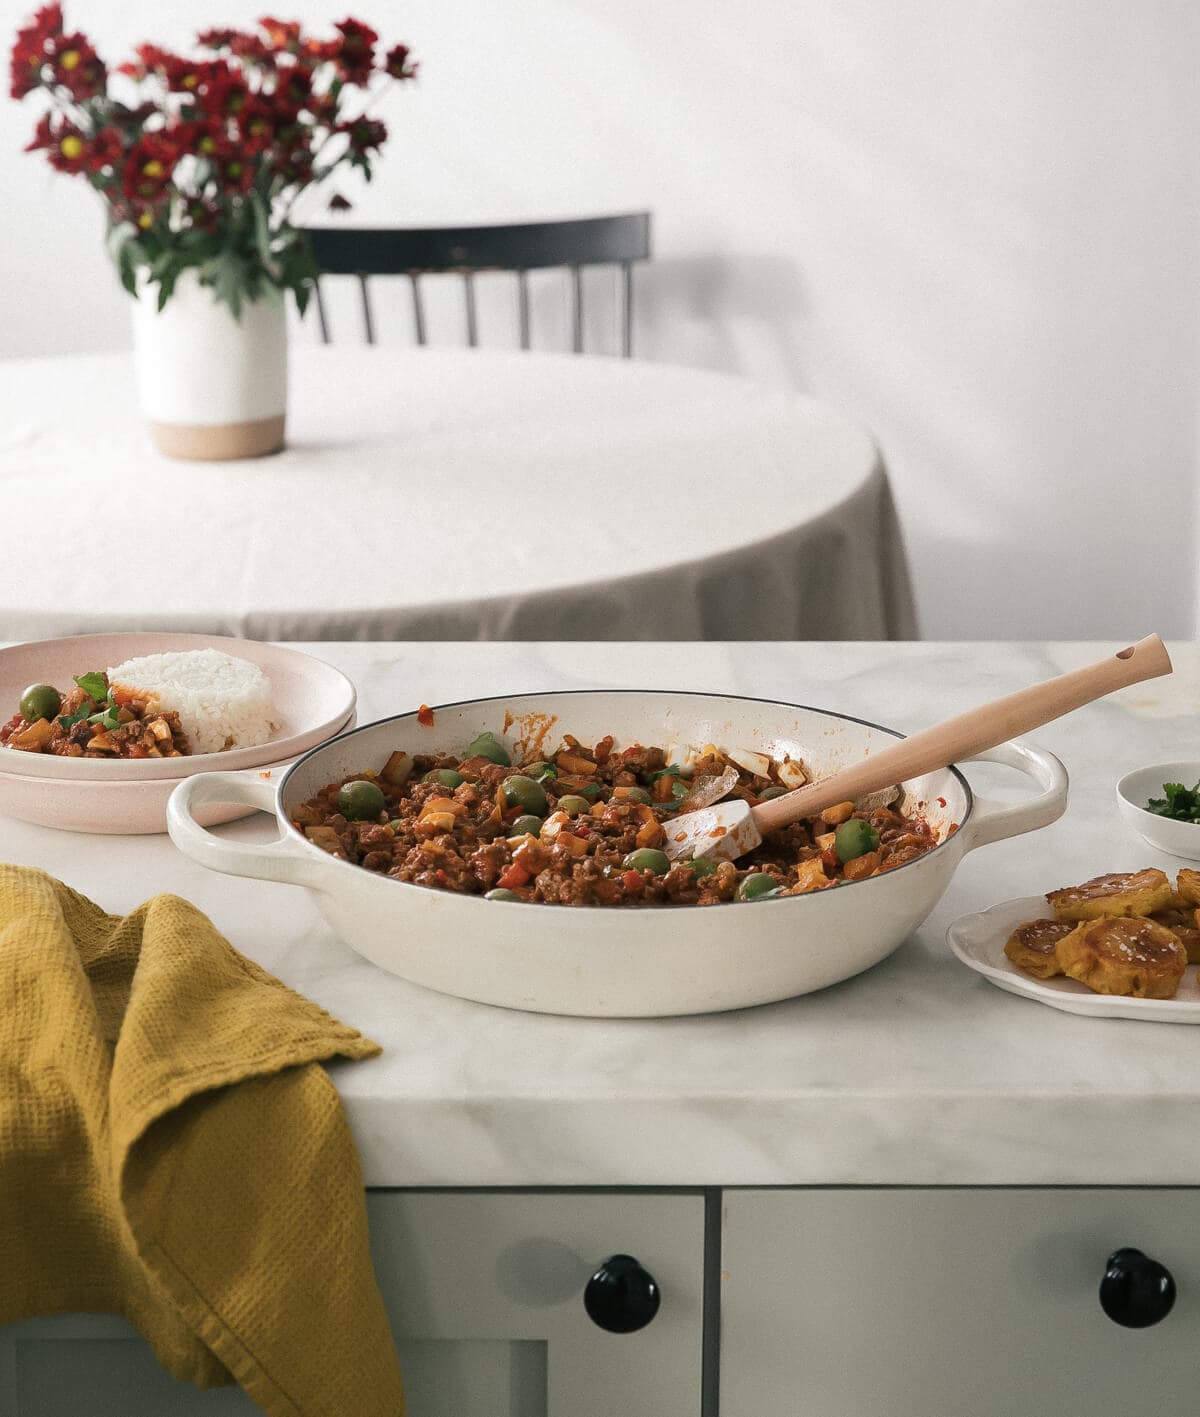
pixel 466 250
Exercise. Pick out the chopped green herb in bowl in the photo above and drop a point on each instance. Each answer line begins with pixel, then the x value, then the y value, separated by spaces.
pixel 1181 804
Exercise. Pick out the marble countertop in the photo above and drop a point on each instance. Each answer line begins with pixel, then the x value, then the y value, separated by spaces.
pixel 916 1072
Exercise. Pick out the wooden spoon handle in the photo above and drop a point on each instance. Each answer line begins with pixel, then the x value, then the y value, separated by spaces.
pixel 970 733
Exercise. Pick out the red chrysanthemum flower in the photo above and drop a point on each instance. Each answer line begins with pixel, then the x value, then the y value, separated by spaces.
pixel 105 151
pixel 355 53
pixel 256 124
pixel 43 134
pixel 76 66
pixel 282 35
pixel 68 153
pixel 398 63
pixel 365 134
pixel 293 89
pixel 31 49
pixel 148 166
pixel 252 50
pixel 293 160
pixel 233 166
pixel 224 95
pixel 198 137
pixel 216 38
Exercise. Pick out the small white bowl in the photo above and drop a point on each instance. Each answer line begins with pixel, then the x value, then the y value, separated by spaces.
pixel 1136 788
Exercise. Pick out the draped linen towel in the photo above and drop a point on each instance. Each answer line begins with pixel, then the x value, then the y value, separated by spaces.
pixel 172 1152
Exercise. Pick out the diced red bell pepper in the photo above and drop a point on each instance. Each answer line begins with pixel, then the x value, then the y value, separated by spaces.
pixel 513 876
pixel 633 881
pixel 425 716
pixel 829 859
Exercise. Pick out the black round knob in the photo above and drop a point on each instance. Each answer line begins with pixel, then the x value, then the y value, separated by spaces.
pixel 1136 1291
pixel 621 1296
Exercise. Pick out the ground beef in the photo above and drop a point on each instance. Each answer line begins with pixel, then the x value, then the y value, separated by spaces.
pixel 462 842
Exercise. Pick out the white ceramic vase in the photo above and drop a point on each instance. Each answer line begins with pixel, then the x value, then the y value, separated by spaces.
pixel 211 386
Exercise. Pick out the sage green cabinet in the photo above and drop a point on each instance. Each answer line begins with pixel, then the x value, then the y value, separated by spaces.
pixel 952 1303
pixel 485 1294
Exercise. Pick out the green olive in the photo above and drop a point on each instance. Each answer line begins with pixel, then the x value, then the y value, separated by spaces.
pixel 591 791
pixel 776 791
pixel 360 801
pixel 521 791
pixel 40 701
pixel 574 805
pixel 646 858
pixel 854 838
pixel 502 893
pixel 540 771
pixel 487 745
pixel 703 866
pixel 446 776
pixel 757 887
pixel 526 825
pixel 636 794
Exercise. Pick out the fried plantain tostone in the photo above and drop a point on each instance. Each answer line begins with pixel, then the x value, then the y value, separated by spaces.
pixel 1187 883
pixel 1184 922
pixel 1131 893
pixel 1031 946
pixel 1124 955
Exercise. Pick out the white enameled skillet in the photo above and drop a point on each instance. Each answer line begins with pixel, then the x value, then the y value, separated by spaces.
pixel 618 962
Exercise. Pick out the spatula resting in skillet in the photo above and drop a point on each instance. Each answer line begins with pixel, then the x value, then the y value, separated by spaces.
pixel 728 830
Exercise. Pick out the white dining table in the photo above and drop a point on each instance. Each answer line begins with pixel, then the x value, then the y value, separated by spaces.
pixel 452 495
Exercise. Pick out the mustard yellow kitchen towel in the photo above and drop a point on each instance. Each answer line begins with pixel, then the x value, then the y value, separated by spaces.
pixel 171 1151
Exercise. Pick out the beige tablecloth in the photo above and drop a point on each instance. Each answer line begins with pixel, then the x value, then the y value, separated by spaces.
pixel 452 495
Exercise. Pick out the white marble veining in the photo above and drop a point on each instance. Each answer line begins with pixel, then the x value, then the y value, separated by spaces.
pixel 916 1072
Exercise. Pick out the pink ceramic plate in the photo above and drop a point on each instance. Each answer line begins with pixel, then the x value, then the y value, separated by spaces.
pixel 314 701
pixel 109 808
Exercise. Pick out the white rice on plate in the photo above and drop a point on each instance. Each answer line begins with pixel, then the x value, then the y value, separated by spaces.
pixel 222 702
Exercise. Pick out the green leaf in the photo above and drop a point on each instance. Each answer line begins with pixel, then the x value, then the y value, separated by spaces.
pixel 1181 803
pixel 94 685
pixel 262 230
pixel 68 720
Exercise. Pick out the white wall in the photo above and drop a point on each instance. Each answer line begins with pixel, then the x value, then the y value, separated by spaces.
pixel 973 225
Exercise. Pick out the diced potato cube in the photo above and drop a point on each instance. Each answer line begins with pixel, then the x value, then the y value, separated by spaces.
pixel 34 738
pixel 841 812
pixel 810 876
pixel 792 774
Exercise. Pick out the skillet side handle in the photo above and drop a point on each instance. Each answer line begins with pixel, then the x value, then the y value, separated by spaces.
pixel 993 821
pixel 273 861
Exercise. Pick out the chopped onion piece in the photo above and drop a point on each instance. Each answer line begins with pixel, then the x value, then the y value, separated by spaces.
pixel 881 797
pixel 757 763
pixel 707 790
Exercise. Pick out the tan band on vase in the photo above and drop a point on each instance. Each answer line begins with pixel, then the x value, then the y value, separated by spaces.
pixel 217 442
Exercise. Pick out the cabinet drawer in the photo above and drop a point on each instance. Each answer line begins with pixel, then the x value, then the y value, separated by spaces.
pixel 916 1303
pixel 485 1295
